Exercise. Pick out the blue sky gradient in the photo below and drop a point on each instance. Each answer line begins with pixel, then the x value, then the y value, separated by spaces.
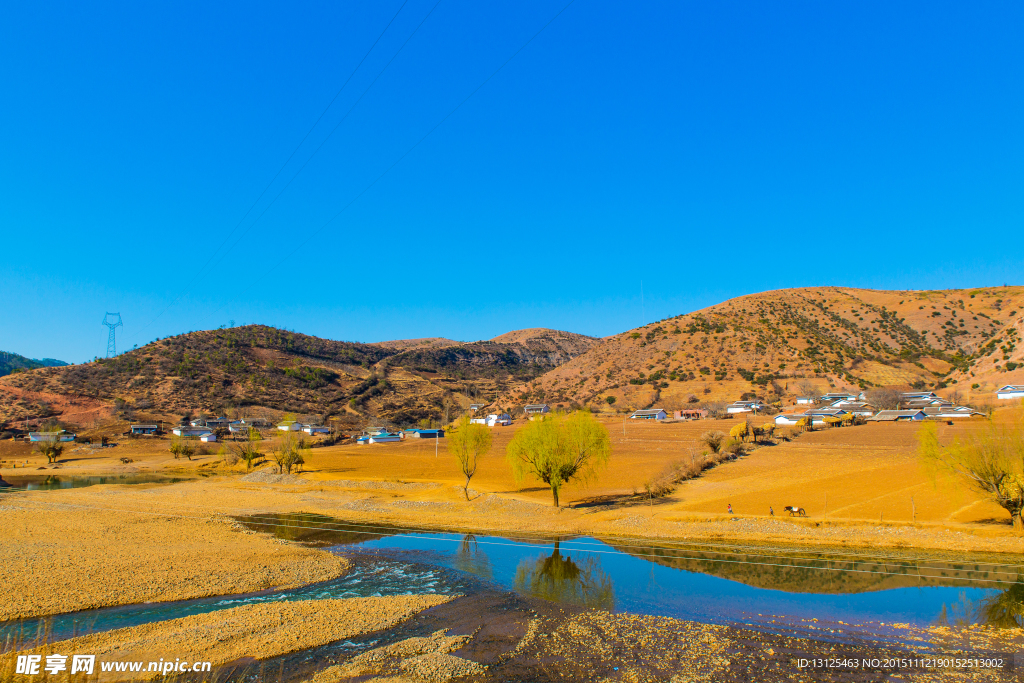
pixel 708 150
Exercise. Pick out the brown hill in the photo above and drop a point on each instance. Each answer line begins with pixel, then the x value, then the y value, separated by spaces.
pixel 258 369
pixel 805 341
pixel 424 343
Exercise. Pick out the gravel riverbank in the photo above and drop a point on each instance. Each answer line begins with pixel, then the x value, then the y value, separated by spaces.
pixel 251 631
pixel 88 548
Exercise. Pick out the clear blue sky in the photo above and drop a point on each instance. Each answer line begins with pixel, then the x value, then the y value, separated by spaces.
pixel 707 149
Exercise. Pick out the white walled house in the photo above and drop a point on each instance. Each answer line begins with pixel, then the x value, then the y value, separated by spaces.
pixel 898 416
pixel 315 429
pixel 290 426
pixel 191 431
pixel 1011 392
pixel 788 419
pixel 805 400
pixel 651 414
pixel 744 407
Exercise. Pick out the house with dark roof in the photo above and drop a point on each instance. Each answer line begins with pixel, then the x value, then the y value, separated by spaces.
pixel 898 416
pixel 829 398
pixel 944 412
pixel 650 414
pixel 146 430
pixel 1010 392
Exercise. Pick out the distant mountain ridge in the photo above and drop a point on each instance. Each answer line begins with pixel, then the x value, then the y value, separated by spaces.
pixel 964 342
pixel 257 367
pixel 10 362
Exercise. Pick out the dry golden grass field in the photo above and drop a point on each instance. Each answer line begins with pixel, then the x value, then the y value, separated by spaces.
pixel 869 473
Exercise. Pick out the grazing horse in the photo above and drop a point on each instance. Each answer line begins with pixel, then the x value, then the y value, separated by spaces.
pixel 794 510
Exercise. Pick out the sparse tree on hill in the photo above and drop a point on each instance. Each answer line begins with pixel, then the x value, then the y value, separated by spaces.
pixel 713 440
pixel 468 442
pixel 989 460
pixel 558 449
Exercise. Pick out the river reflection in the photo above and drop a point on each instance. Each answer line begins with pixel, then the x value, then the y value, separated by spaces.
pixel 1005 609
pixel 471 559
pixel 559 578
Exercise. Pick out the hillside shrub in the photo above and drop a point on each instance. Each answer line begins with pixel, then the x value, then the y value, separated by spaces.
pixel 713 439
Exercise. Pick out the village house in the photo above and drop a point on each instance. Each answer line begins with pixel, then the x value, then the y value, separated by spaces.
pixel 917 395
pixel 805 400
pixel 650 414
pixel 256 422
pixel 503 420
pixel 316 429
pixel 919 403
pixel 744 407
pixel 425 433
pixel 191 431
pixel 855 407
pixel 691 414
pixel 61 435
pixel 143 430
pixel 944 412
pixel 817 416
pixel 898 416
pixel 209 437
pixel 789 419
pixel 290 426
pixel 536 409
pixel 382 437
pixel 1010 392
pixel 841 396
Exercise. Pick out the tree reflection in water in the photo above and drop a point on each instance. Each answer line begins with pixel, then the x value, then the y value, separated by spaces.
pixel 560 579
pixel 1002 610
pixel 469 558
pixel 1005 610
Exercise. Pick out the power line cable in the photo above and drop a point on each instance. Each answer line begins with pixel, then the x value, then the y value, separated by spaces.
pixel 406 153
pixel 279 171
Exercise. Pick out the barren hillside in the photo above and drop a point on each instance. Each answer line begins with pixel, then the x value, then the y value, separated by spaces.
pixel 805 340
pixel 262 369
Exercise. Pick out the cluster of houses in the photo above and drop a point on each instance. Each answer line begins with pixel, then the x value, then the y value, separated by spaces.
pixel 206 429
pixel 913 406
pixel 384 436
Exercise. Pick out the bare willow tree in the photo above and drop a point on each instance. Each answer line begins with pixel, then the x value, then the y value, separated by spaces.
pixel 558 449
pixel 249 450
pixel 884 398
pixel 468 442
pixel 990 460
pixel 289 453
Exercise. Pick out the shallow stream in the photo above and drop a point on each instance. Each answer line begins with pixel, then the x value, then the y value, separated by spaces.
pixel 842 595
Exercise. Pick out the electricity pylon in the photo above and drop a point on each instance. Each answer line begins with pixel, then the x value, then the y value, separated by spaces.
pixel 113 321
